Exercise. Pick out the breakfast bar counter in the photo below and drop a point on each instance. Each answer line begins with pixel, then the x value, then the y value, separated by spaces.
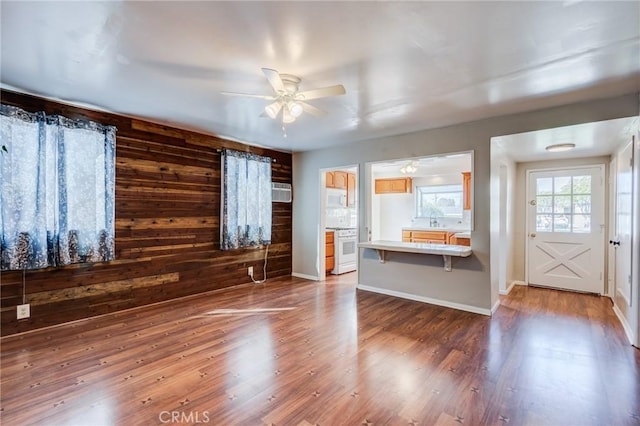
pixel 444 250
pixel 413 270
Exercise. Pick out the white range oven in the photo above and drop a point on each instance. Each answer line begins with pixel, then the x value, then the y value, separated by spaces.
pixel 345 250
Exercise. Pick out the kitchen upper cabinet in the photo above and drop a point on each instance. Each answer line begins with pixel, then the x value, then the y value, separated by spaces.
pixel 340 180
pixel 351 190
pixel 466 190
pixel 394 186
pixel 330 178
pixel 337 179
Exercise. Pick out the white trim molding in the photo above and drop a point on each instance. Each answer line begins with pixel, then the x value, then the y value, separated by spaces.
pixel 305 276
pixel 446 304
pixel 495 306
pixel 513 284
pixel 625 325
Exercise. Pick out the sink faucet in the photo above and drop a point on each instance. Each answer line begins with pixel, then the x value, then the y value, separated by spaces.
pixel 433 222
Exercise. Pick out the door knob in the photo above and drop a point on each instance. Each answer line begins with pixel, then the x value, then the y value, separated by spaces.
pixel 532 235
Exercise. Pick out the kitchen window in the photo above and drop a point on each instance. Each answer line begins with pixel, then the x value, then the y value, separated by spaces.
pixel 439 201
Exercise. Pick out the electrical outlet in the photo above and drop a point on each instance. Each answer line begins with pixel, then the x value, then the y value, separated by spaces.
pixel 24 311
pixel 250 271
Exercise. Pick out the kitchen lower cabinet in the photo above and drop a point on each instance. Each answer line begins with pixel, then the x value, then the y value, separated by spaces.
pixel 329 251
pixel 430 237
pixel 434 237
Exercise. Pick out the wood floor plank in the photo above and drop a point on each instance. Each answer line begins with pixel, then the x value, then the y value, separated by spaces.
pixel 295 352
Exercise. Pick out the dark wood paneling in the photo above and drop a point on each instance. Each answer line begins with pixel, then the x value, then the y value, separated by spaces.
pixel 167 227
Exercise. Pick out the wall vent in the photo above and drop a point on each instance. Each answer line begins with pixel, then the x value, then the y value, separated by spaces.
pixel 280 192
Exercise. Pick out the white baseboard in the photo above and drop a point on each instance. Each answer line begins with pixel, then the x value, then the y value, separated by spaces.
pixel 446 304
pixel 496 306
pixel 513 284
pixel 625 324
pixel 305 276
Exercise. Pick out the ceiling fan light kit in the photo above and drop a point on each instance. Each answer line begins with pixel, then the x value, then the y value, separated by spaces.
pixel 287 117
pixel 273 109
pixel 409 168
pixel 289 99
pixel 295 108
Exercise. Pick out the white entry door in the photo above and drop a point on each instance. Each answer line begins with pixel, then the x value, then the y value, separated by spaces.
pixel 621 241
pixel 566 229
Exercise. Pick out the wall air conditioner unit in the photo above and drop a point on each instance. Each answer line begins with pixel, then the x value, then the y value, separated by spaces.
pixel 280 192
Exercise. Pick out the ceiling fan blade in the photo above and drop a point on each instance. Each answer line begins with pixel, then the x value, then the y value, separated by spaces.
pixel 321 93
pixel 312 110
pixel 274 79
pixel 248 95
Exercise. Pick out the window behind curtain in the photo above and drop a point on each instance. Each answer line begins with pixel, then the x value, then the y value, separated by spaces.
pixel 57 191
pixel 246 200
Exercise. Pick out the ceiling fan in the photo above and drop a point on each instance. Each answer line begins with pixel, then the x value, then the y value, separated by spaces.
pixel 288 98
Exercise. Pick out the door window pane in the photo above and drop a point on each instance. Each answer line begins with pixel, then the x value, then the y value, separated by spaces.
pixel 582 184
pixel 561 223
pixel 562 185
pixel 582 204
pixel 563 204
pixel 544 186
pixel 544 204
pixel 543 223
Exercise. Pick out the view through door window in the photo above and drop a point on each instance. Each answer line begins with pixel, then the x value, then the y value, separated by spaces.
pixel 563 204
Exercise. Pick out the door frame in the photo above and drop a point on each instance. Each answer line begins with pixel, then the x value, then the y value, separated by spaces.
pixel 527 196
pixel 322 173
pixel 611 223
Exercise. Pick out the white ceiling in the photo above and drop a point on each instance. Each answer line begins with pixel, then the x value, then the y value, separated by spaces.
pixel 591 139
pixel 426 166
pixel 406 66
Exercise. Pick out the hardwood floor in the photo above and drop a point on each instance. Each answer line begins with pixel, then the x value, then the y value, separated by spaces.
pixel 295 352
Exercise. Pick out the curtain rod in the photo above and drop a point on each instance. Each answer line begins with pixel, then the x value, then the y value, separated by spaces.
pixel 273 160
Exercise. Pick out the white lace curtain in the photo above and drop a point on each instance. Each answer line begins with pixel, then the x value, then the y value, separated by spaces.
pixel 57 190
pixel 246 200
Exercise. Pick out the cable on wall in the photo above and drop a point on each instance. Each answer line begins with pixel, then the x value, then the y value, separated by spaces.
pixel 264 269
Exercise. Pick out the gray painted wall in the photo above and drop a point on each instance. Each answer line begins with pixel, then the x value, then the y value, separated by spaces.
pixel 503 211
pixel 477 288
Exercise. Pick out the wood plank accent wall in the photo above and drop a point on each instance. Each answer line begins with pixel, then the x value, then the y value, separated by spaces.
pixel 167 227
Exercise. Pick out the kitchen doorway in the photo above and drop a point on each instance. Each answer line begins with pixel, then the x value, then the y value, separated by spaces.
pixel 338 251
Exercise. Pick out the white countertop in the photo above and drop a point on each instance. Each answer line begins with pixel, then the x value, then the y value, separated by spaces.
pixel 421 248
pixel 427 228
pixel 465 234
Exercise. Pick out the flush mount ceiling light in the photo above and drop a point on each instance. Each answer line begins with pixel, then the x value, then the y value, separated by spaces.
pixel 561 147
pixel 409 168
pixel 288 98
